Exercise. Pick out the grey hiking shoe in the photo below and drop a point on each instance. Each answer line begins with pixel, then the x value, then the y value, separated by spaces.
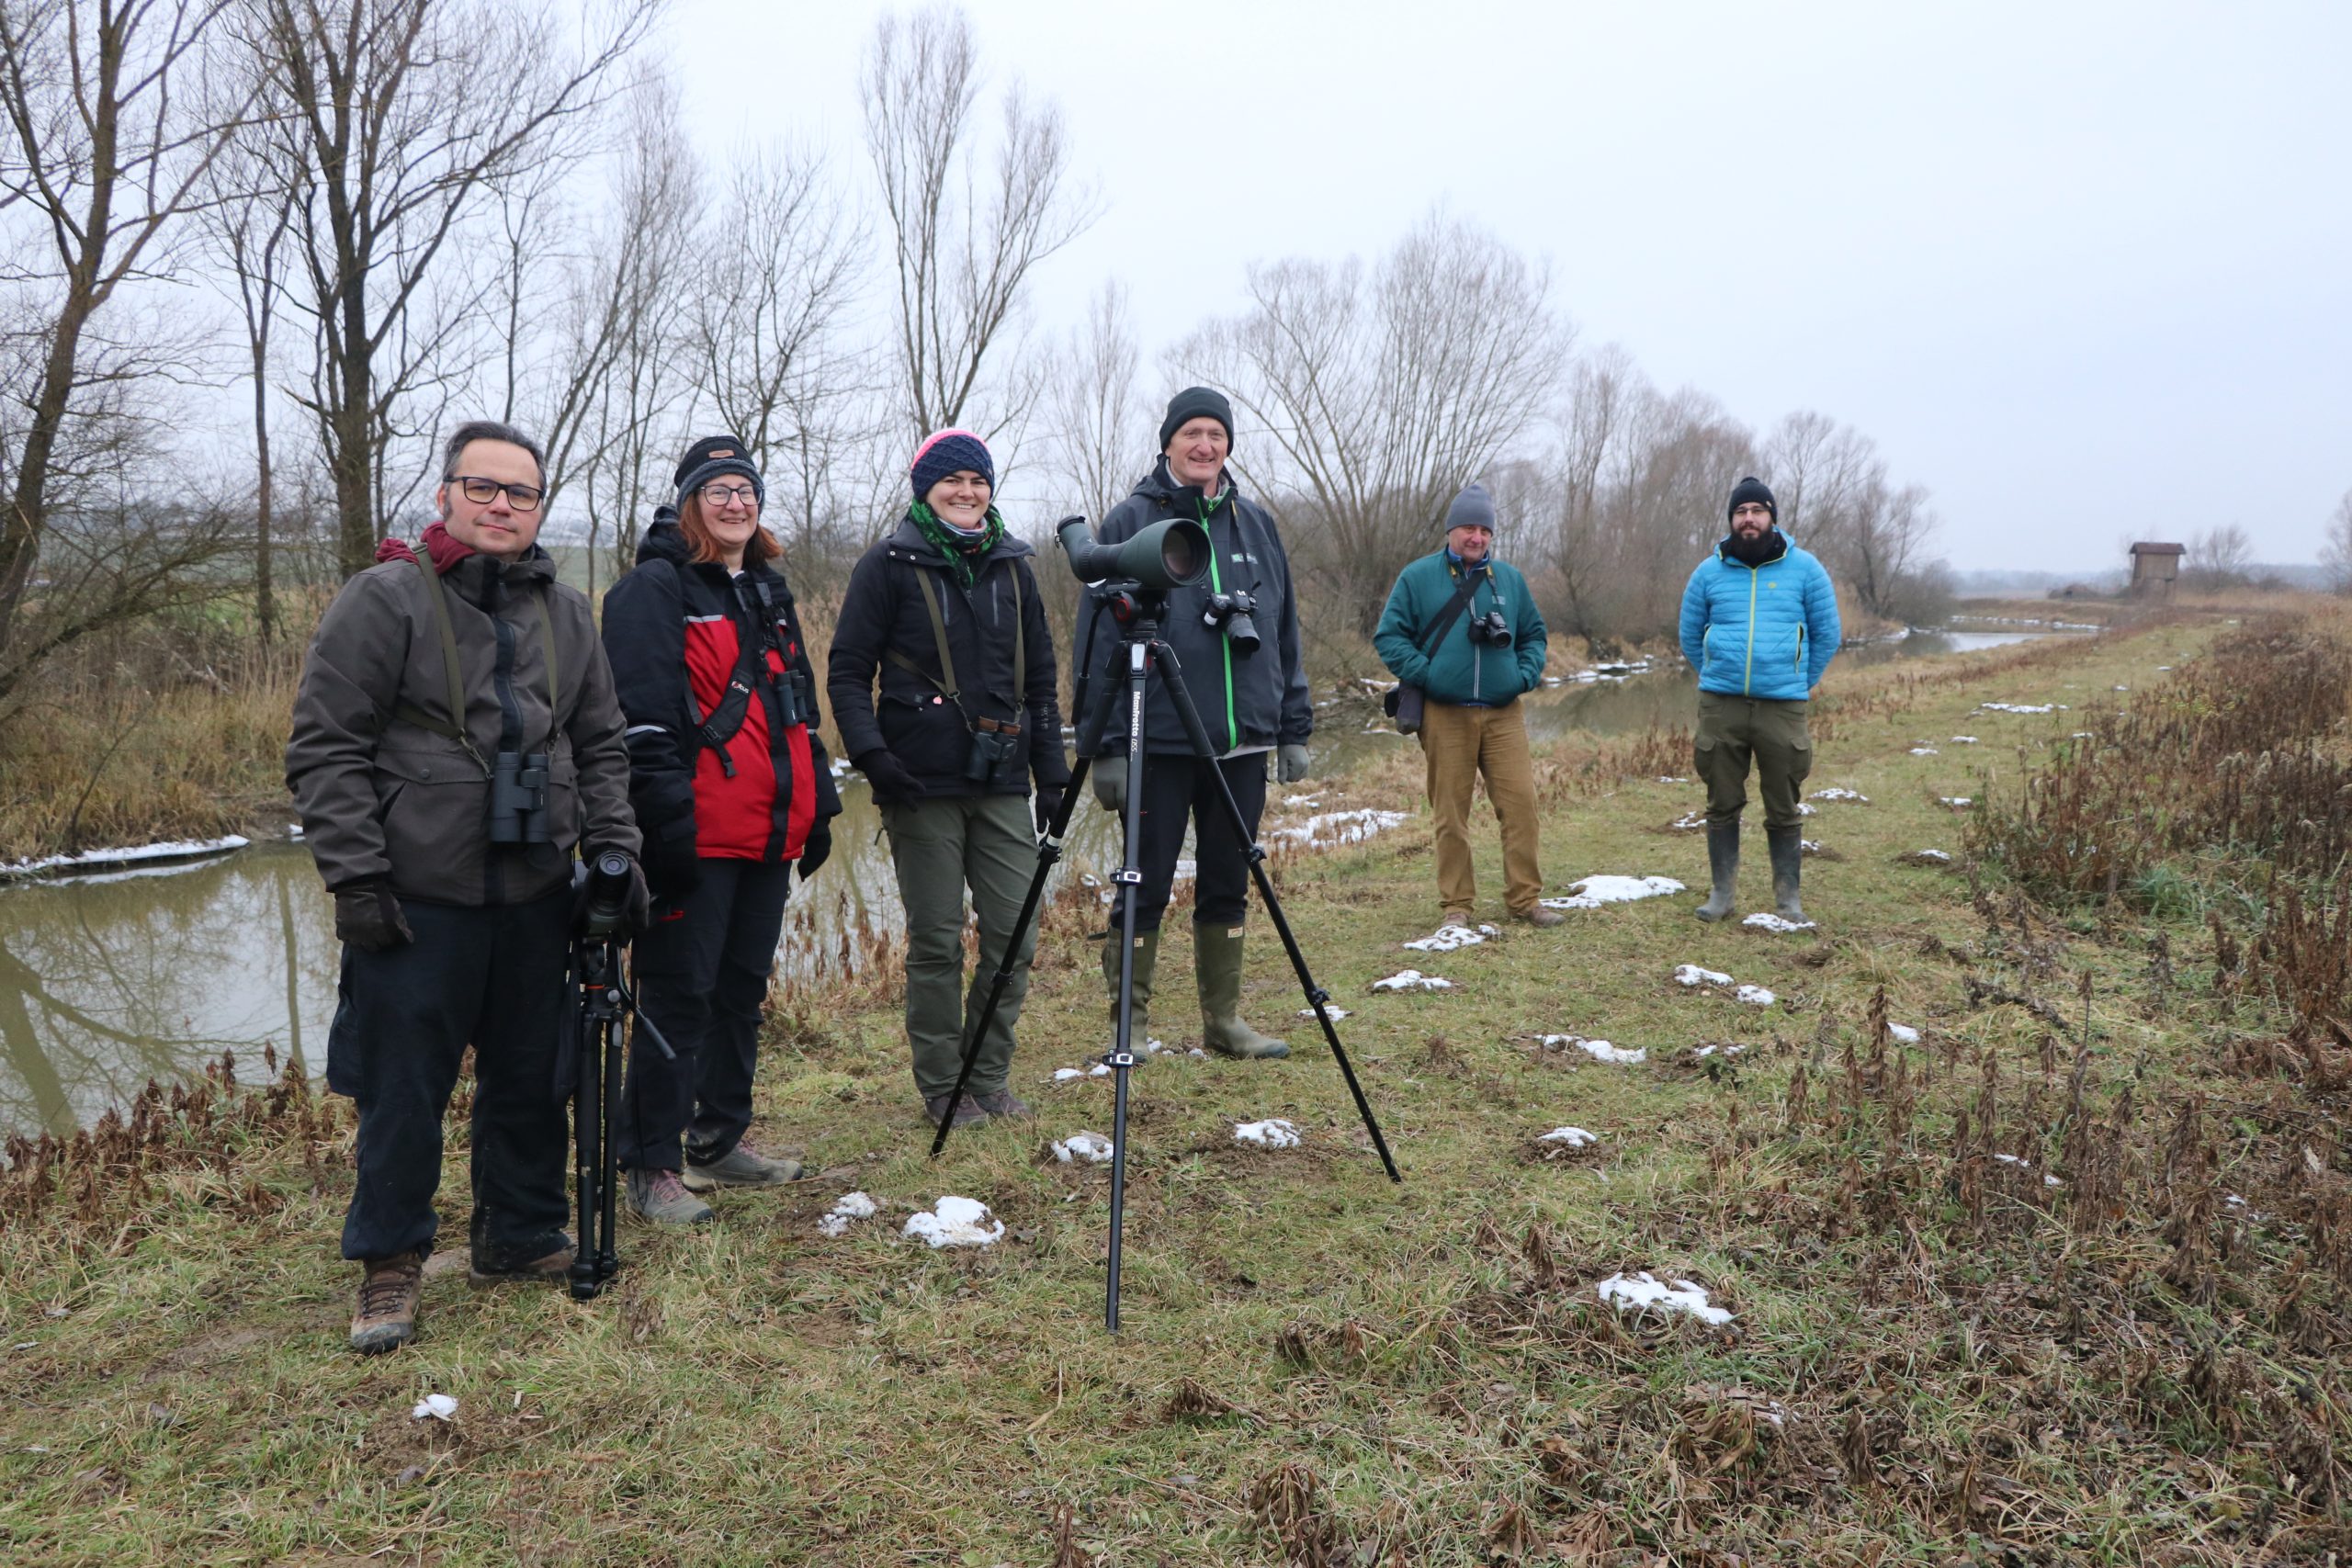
pixel 388 1290
pixel 660 1196
pixel 1006 1105
pixel 487 1268
pixel 970 1112
pixel 741 1166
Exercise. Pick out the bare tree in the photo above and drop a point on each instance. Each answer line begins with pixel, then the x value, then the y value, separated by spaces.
pixel 1091 408
pixel 1378 394
pixel 107 147
pixel 777 271
pixel 402 116
pixel 2219 557
pixel 965 241
pixel 248 226
pixel 2335 549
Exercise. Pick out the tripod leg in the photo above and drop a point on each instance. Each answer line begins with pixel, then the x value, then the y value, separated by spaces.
pixel 1121 1058
pixel 608 1262
pixel 1048 855
pixel 1171 675
pixel 586 1097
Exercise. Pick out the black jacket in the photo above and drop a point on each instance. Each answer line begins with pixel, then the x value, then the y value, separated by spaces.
pixel 673 630
pixel 1245 700
pixel 882 612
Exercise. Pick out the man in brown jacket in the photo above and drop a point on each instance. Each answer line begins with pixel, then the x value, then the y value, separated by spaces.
pixel 456 737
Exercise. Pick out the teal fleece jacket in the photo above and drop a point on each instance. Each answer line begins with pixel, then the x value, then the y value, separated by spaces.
pixel 1459 671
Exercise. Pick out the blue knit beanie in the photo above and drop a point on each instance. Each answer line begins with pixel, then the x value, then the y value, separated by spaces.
pixel 949 452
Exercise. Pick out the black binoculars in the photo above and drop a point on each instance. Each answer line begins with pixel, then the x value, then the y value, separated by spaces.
pixel 518 799
pixel 1490 629
pixel 994 744
pixel 1232 614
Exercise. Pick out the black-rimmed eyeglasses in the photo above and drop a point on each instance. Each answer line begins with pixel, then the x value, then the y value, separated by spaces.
pixel 482 491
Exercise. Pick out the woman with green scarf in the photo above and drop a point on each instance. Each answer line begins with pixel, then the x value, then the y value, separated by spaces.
pixel 944 616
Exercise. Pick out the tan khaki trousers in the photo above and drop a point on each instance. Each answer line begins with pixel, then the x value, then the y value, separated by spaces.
pixel 1461 743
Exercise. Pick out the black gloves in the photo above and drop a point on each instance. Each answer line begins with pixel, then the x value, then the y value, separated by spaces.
pixel 1111 780
pixel 1044 803
pixel 641 898
pixel 818 848
pixel 891 783
pixel 672 869
pixel 369 916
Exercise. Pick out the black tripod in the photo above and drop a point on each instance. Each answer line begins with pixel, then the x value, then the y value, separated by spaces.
pixel 606 1005
pixel 1138 612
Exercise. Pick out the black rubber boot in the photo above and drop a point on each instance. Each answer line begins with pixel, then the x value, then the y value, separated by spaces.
pixel 1723 865
pixel 1787 845
pixel 1146 966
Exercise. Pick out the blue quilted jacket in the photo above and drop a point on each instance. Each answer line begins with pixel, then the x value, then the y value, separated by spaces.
pixel 1761 631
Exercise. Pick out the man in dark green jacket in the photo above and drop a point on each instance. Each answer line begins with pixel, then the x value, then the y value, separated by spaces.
pixel 1461 627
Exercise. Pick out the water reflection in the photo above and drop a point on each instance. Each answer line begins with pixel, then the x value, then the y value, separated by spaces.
pixel 107 982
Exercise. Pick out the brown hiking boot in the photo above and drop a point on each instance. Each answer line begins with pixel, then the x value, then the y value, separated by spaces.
pixel 1007 1105
pixel 1540 917
pixel 969 1110
pixel 388 1290
pixel 552 1269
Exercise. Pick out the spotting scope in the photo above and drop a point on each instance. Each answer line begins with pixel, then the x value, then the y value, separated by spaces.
pixel 1164 555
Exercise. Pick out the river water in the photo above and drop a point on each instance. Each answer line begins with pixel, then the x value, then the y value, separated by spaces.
pixel 108 981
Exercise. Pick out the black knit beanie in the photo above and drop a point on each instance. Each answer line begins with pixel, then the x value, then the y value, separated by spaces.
pixel 1752 489
pixel 712 457
pixel 1196 402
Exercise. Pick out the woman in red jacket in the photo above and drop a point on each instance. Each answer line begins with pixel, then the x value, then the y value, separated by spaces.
pixel 731 788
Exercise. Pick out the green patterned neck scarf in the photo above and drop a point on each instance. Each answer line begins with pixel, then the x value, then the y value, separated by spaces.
pixel 962 551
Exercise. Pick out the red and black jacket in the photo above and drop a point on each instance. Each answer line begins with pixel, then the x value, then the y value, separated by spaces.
pixel 675 632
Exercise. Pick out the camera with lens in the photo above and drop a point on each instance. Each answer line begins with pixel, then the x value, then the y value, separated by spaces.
pixel 994 744
pixel 518 799
pixel 1490 630
pixel 1232 614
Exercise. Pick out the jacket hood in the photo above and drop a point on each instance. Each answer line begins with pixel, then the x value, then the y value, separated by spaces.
pixel 1160 486
pixel 905 541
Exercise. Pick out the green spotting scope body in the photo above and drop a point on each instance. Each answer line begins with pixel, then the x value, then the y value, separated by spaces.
pixel 1164 555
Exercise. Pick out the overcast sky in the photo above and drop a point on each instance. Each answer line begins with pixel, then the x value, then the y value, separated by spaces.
pixel 2084 270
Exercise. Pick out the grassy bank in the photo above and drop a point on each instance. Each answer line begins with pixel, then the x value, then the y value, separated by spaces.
pixel 2064 1280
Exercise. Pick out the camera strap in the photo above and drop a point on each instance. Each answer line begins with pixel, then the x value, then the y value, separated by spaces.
pixel 721 724
pixel 947 686
pixel 1451 613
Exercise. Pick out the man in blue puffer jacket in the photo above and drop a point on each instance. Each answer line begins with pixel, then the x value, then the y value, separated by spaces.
pixel 1760 623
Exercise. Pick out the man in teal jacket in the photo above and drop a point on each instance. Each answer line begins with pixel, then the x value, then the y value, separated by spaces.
pixel 1760 623
pixel 1461 627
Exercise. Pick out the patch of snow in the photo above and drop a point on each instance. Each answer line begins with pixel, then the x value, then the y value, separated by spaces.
pixel 1963 740
pixel 849 1208
pixel 1333 1013
pixel 1689 820
pixel 2025 707
pixel 1063 1074
pixel 1273 1134
pixel 1957 801
pixel 1090 1148
pixel 1703 1052
pixel 2084 735
pixel 1692 975
pixel 1412 980
pixel 2123 688
pixel 957 1222
pixel 1940 857
pixel 1447 939
pixel 1670 778
pixel 1923 751
pixel 1754 995
pixel 1635 1293
pixel 171 848
pixel 1771 922
pixel 1837 792
pixel 1301 801
pixel 1599 1050
pixel 1570 1137
pixel 1592 891
pixel 439 1406
pixel 1341 827
pixel 1808 846
pixel 1804 810
pixel 1903 1033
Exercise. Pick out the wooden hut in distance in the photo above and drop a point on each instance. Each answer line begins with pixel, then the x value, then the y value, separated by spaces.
pixel 2154 569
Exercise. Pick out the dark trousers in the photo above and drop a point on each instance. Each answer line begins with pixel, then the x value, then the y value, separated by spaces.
pixel 494 977
pixel 1732 730
pixel 702 978
pixel 1176 787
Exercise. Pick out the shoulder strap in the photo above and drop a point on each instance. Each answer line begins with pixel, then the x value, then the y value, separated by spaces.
pixel 1020 649
pixel 718 727
pixel 946 679
pixel 454 726
pixel 1452 612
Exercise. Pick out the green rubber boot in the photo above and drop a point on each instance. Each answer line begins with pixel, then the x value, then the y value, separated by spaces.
pixel 1788 860
pixel 1147 964
pixel 1217 964
pixel 1723 865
